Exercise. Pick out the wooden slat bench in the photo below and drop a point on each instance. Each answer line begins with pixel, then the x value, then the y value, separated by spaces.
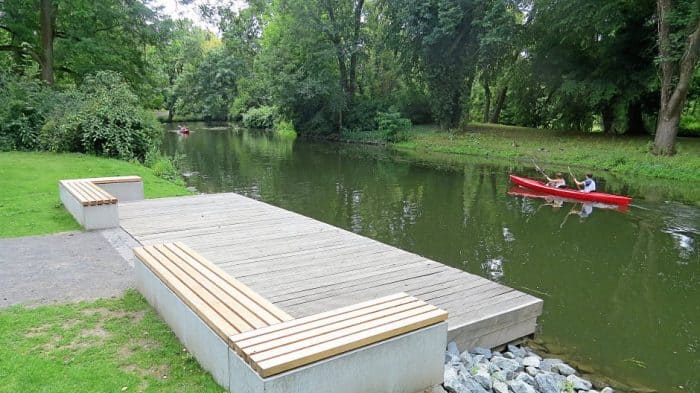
pixel 93 201
pixel 393 344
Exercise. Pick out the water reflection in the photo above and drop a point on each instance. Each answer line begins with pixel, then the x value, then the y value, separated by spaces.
pixel 612 279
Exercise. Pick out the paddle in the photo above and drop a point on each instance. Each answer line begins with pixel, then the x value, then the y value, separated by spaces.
pixel 574 177
pixel 540 169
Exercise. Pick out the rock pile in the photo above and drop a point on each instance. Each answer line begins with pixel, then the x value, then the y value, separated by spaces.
pixel 517 370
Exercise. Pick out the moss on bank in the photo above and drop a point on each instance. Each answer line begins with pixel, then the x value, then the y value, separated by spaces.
pixel 29 202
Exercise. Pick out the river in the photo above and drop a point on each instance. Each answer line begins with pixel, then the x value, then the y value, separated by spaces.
pixel 621 288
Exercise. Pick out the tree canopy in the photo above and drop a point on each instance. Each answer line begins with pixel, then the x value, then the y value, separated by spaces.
pixel 328 65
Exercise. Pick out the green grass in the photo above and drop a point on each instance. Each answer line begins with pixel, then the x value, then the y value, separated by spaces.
pixel 115 345
pixel 621 155
pixel 29 201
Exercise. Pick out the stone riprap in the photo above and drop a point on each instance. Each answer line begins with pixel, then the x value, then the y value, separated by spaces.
pixel 515 370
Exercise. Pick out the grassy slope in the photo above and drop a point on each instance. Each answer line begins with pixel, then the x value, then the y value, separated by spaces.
pixel 29 202
pixel 621 155
pixel 102 346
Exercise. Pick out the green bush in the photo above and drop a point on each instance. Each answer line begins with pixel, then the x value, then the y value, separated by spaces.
pixel 261 117
pixel 163 166
pixel 393 126
pixel 24 104
pixel 104 118
pixel 285 128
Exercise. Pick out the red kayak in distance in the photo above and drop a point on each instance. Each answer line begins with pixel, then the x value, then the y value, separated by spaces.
pixel 570 193
pixel 528 193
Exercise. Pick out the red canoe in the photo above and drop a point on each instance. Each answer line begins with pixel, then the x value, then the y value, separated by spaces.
pixel 528 193
pixel 570 193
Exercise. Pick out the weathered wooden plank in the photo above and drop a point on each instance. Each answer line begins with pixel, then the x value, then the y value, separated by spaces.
pixel 304 266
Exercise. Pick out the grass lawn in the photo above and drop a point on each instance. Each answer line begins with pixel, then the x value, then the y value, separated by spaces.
pixel 622 155
pixel 114 345
pixel 29 201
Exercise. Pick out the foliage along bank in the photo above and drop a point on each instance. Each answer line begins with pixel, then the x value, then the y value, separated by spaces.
pixel 333 66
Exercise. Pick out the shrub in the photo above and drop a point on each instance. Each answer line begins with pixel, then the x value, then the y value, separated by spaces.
pixel 285 128
pixel 103 118
pixel 24 104
pixel 261 117
pixel 393 126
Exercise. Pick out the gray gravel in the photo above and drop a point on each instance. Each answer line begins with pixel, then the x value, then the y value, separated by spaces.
pixel 65 267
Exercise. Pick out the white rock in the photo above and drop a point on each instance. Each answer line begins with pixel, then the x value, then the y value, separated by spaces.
pixel 521 387
pixel 500 387
pixel 531 361
pixel 579 383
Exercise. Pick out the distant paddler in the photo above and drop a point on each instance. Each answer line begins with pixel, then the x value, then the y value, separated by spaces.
pixel 587 185
pixel 556 182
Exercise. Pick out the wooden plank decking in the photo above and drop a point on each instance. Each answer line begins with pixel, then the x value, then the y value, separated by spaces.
pixel 304 266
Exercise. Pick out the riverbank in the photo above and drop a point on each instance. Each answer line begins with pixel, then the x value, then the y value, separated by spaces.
pixel 29 203
pixel 604 155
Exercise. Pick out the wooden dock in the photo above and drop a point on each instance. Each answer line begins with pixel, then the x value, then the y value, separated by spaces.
pixel 305 266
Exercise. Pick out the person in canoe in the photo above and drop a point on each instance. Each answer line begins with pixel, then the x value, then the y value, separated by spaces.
pixel 587 185
pixel 557 182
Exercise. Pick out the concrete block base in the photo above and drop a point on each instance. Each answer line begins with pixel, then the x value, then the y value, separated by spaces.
pixel 408 363
pixel 90 217
pixel 124 192
pixel 207 347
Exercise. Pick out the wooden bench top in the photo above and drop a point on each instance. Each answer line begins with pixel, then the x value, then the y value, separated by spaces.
pixel 288 345
pixel 226 305
pixel 115 179
pixel 88 193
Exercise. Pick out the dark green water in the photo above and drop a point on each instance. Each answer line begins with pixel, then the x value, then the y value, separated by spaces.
pixel 621 289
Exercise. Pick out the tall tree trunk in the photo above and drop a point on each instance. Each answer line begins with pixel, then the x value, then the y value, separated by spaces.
pixel 608 115
pixel 468 104
pixel 47 22
pixel 500 101
pixel 487 101
pixel 354 55
pixel 673 97
pixel 635 122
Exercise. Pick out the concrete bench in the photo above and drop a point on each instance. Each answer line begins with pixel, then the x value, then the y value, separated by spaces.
pixel 93 201
pixel 392 344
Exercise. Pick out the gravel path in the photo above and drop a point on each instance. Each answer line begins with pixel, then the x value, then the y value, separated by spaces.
pixel 65 267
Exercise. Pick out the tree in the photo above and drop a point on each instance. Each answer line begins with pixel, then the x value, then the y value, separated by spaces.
pixel 437 38
pixel 679 49
pixel 73 38
pixel 499 45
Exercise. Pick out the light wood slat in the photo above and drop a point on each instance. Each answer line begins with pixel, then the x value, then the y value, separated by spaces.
pixel 198 288
pixel 342 325
pixel 281 315
pixel 87 193
pixel 216 322
pixel 320 321
pixel 232 303
pixel 324 350
pixel 316 317
pixel 114 179
pixel 238 292
pixel 83 199
pixel 92 197
pixel 103 195
pixel 300 345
